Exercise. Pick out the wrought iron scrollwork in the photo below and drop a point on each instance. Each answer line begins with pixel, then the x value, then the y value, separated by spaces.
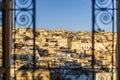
pixel 104 12
pixel 24 19
pixel 106 17
pixel 23 13
pixel 23 3
pixel 103 3
pixel 103 20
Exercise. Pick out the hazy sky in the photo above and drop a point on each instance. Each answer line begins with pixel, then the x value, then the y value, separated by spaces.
pixel 71 15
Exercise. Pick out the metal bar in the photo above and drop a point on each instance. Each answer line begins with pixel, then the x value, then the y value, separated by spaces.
pixel 14 26
pixel 6 38
pixel 34 32
pixel 21 9
pixel 93 33
pixel 2 70
pixel 106 8
pixel 1 5
pixel 118 41
pixel 113 40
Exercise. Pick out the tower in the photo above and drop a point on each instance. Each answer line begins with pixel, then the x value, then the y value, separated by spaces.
pixel 69 40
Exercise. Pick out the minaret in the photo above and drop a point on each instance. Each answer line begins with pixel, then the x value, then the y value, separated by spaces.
pixel 69 40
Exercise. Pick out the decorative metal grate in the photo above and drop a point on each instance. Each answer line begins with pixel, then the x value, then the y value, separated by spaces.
pixel 104 12
pixel 23 18
pixel 24 56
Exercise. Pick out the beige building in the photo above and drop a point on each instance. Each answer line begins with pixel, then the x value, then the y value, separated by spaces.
pixel 62 42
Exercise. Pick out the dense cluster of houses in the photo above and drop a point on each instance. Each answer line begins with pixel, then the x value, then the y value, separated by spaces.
pixel 63 49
